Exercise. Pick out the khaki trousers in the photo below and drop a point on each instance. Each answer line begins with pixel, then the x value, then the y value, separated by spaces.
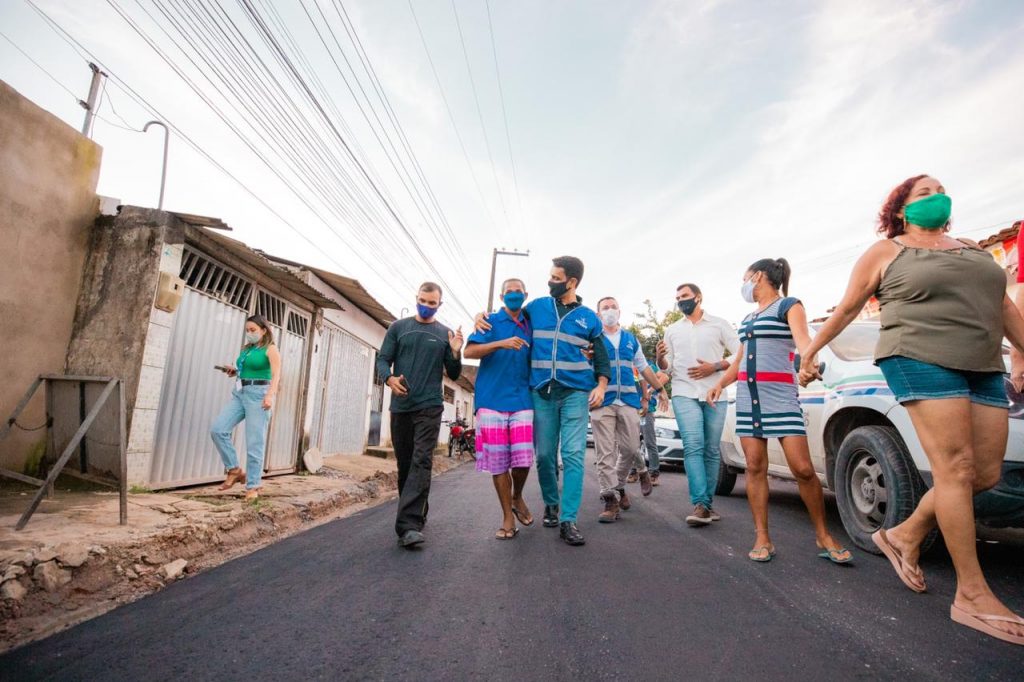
pixel 616 444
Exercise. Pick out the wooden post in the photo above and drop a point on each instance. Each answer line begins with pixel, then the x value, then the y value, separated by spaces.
pixel 123 443
pixel 68 451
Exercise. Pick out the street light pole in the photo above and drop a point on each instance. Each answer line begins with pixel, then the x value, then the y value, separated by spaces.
pixel 494 262
pixel 163 173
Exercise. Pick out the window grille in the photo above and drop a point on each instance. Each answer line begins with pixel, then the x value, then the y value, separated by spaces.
pixel 449 395
pixel 202 274
pixel 297 324
pixel 270 308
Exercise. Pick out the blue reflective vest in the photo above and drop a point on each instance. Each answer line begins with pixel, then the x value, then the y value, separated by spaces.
pixel 622 385
pixel 558 345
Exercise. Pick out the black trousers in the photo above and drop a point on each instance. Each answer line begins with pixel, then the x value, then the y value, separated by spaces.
pixel 414 436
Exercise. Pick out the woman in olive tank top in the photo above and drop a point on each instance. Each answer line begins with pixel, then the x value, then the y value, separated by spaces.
pixel 944 312
pixel 257 372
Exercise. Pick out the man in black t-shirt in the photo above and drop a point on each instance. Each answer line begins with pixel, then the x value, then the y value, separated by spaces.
pixel 416 352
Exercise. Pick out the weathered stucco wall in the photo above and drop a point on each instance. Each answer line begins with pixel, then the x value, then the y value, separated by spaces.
pixel 117 331
pixel 48 175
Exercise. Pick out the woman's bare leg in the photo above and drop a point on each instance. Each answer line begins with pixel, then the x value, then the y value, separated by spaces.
pixel 798 457
pixel 989 431
pixel 945 430
pixel 755 450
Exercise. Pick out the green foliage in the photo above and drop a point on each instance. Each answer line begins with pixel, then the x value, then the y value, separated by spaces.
pixel 649 327
pixel 139 490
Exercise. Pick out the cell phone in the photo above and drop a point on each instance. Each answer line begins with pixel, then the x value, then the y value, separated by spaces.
pixel 405 384
pixel 224 368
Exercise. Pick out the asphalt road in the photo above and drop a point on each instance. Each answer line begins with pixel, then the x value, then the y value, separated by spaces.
pixel 646 598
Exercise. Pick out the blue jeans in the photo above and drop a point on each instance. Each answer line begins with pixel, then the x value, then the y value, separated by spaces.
pixel 700 427
pixel 246 404
pixel 561 419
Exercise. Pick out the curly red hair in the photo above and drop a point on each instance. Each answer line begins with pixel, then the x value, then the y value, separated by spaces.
pixel 889 223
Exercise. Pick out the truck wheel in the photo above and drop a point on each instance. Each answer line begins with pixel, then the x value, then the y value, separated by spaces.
pixel 877 484
pixel 726 481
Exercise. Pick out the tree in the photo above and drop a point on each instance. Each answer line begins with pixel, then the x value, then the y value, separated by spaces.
pixel 649 327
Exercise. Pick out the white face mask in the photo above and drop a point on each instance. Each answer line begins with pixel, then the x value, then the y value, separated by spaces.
pixel 747 291
pixel 610 317
pixel 252 338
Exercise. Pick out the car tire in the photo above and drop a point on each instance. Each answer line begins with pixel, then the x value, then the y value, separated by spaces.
pixel 726 481
pixel 877 484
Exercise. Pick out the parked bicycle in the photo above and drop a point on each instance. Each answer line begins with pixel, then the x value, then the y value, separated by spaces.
pixel 461 438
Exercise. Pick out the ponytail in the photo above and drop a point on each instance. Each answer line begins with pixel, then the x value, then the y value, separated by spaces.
pixel 776 270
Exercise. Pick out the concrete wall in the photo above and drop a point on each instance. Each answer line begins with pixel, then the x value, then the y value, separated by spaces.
pixel 48 175
pixel 117 331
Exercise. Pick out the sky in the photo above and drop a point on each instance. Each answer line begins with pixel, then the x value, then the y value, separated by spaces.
pixel 661 142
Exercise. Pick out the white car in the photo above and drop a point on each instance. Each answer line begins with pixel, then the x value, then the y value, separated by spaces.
pixel 670 445
pixel 865 449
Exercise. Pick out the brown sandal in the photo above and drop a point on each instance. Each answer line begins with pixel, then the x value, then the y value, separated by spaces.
pixel 235 475
pixel 252 494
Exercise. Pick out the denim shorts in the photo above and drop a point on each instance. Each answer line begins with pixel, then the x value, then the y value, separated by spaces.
pixel 915 380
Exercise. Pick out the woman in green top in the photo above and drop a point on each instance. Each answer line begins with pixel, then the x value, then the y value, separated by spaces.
pixel 258 372
pixel 944 312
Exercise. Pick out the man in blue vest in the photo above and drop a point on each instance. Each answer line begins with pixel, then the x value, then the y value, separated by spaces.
pixel 564 384
pixel 617 422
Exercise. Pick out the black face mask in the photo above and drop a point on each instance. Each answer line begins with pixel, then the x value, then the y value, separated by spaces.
pixel 687 306
pixel 558 289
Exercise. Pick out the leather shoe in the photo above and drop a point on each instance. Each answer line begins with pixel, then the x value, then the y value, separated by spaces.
pixel 571 534
pixel 551 516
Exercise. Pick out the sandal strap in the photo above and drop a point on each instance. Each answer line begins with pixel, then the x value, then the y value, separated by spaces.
pixel 1016 620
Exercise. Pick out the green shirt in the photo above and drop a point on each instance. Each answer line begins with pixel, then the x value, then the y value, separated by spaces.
pixel 420 352
pixel 253 363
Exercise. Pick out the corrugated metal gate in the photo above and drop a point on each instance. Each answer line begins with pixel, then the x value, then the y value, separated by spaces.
pixel 208 330
pixel 285 427
pixel 339 419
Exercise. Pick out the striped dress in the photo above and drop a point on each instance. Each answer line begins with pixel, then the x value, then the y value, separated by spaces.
pixel 767 401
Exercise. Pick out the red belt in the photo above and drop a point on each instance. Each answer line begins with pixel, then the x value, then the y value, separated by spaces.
pixel 768 377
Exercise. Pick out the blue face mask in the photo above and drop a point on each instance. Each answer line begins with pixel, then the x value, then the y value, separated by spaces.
pixel 425 311
pixel 514 300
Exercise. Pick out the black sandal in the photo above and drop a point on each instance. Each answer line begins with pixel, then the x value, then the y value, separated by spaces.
pixel 521 515
pixel 506 533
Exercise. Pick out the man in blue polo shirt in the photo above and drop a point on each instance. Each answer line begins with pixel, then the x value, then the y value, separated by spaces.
pixel 504 408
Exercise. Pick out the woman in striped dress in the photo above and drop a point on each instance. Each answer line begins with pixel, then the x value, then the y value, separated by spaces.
pixel 767 402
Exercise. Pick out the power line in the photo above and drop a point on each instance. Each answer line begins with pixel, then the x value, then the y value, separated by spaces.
pixel 393 157
pixel 40 67
pixel 480 115
pixel 362 169
pixel 448 237
pixel 130 92
pixel 451 117
pixel 504 111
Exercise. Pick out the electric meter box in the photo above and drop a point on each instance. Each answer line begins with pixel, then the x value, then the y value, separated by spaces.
pixel 169 291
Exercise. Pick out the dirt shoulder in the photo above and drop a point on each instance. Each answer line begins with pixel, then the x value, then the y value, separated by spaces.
pixel 73 561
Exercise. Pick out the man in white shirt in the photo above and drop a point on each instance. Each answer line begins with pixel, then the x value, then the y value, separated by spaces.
pixel 616 423
pixel 693 353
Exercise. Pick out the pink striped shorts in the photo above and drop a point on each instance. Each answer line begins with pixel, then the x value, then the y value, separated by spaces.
pixel 504 440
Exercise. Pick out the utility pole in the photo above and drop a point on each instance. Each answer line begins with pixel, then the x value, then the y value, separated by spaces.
pixel 90 105
pixel 163 172
pixel 494 261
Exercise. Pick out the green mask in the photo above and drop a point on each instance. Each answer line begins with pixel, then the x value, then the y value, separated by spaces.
pixel 931 213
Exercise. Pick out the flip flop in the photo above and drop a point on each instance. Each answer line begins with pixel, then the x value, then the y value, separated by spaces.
pixel 981 623
pixel 521 515
pixel 881 541
pixel 833 555
pixel 755 554
pixel 506 533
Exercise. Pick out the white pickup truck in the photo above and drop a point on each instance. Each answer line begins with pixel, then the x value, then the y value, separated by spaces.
pixel 864 447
